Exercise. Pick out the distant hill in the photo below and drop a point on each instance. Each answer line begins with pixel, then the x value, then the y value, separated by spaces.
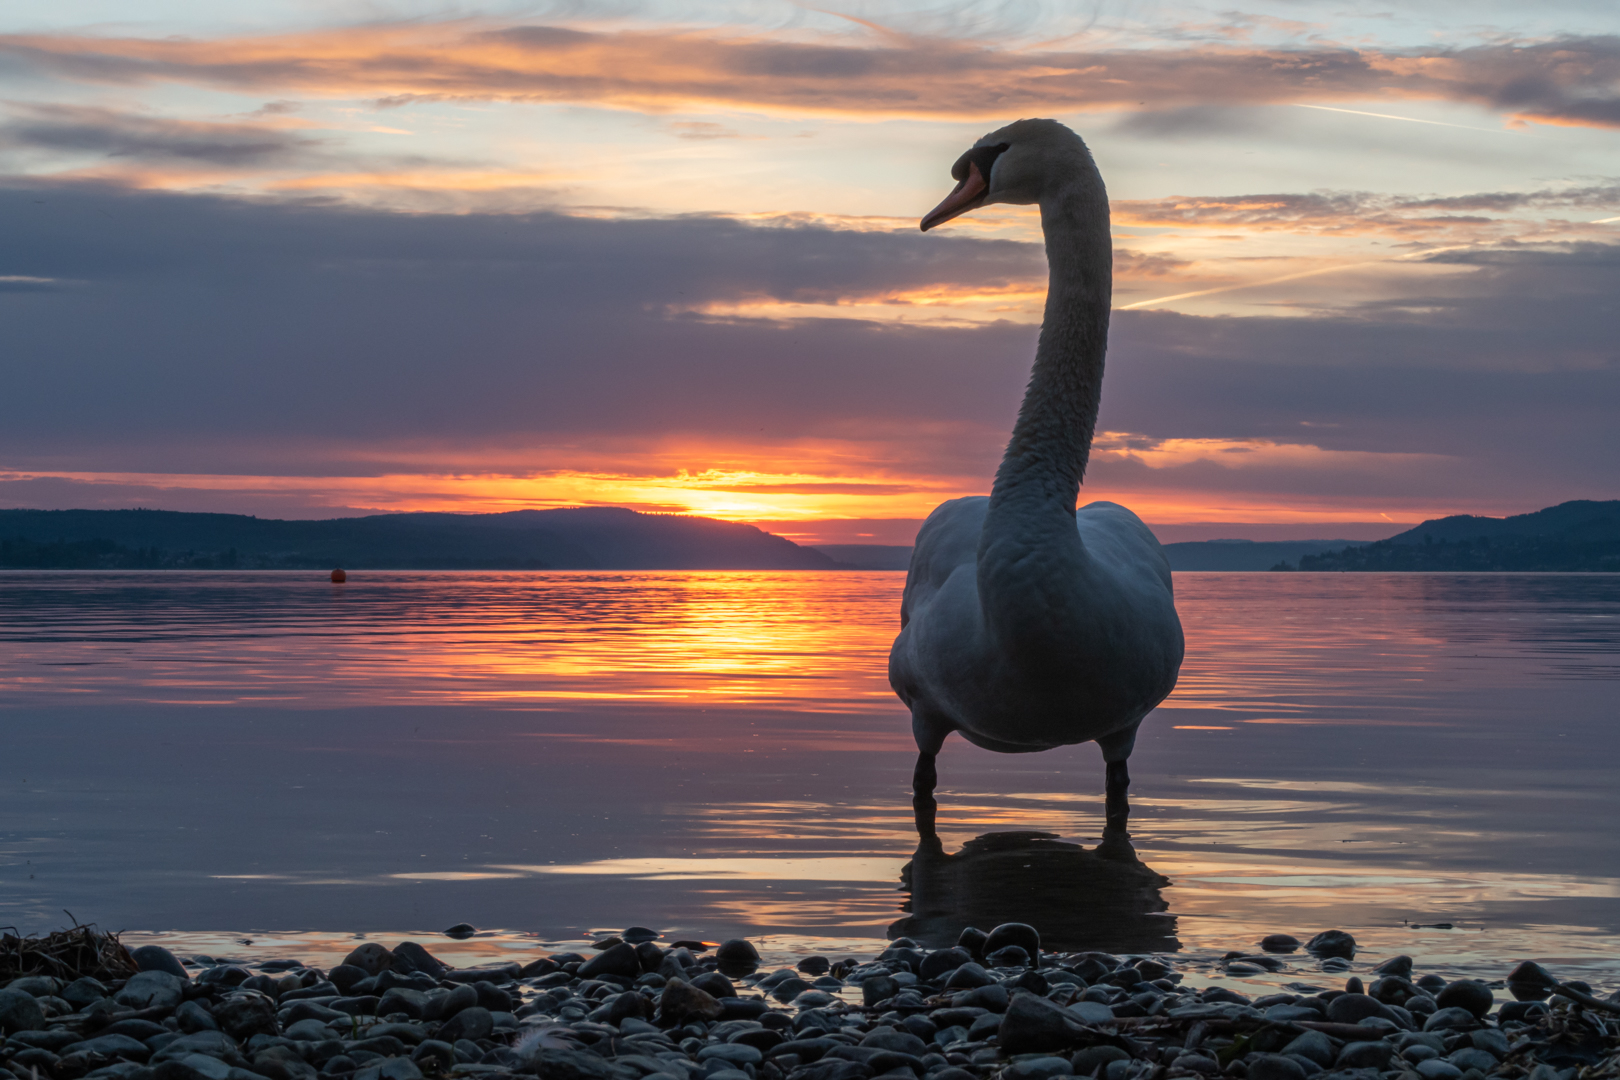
pixel 868 556
pixel 1570 537
pixel 589 538
pixel 1243 554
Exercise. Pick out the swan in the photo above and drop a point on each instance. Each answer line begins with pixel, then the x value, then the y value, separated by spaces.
pixel 1027 625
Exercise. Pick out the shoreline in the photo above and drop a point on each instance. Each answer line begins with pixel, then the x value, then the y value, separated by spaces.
pixel 639 1006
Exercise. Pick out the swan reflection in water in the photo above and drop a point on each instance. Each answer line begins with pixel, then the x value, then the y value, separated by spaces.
pixel 1103 899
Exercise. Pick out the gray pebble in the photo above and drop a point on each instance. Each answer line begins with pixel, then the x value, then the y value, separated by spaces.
pixel 1364 1055
pixel 151 990
pixel 19 1012
pixel 1273 1067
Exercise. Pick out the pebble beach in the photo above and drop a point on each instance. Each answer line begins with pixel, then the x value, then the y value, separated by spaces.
pixel 633 1006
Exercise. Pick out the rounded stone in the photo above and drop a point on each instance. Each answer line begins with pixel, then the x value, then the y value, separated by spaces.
pixel 738 952
pixel 1313 1046
pixel 1034 1025
pixel 1364 1055
pixel 1530 982
pixel 878 988
pixel 1332 943
pixel 1354 1008
pixel 310 1030
pixel 152 990
pixel 967 976
pixel 620 959
pixel 245 1014
pixel 1521 1012
pixel 1096 1058
pixel 1008 956
pixel 815 965
pixel 1468 994
pixel 1398 966
pixel 1472 1058
pixel 680 1001
pixel 157 958
pixel 371 958
pixel 738 1054
pixel 474 1023
pixel 1023 935
pixel 1040 1068
pixel 1450 1019
pixel 1279 943
pixel 943 962
pixel 1274 1067
pixel 409 957
pixel 972 940
pixel 718 986
pixel 19 1012
pixel 1438 1069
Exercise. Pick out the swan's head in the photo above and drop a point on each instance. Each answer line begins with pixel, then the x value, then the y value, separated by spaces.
pixel 1021 163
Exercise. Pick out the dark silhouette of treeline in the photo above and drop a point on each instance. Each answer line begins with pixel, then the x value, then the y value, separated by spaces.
pixel 588 538
pixel 1580 536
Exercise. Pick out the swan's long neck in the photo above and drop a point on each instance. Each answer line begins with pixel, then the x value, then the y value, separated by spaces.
pixel 1039 480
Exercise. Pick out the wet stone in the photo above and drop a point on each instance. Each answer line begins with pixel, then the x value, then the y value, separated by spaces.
pixel 1022 935
pixel 815 965
pixel 1332 943
pixel 1279 943
pixel 1009 956
pixel 1354 1008
pixel 370 958
pixel 620 959
pixel 1467 994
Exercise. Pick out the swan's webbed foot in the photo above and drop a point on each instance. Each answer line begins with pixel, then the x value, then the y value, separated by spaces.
pixel 1118 808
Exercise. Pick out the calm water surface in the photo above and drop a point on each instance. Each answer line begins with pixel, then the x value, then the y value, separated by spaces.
pixel 212 758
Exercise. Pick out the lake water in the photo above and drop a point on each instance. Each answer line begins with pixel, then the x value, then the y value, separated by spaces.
pixel 208 759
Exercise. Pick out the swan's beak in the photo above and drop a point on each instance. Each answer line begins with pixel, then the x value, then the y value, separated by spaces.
pixel 969 195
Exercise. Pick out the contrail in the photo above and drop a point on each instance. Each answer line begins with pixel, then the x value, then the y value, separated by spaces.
pixel 1411 119
pixel 1294 277
pixel 1604 221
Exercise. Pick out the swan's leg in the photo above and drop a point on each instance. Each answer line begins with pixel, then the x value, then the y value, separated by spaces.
pixel 1118 806
pixel 924 810
pixel 1116 750
pixel 930 736
pixel 924 777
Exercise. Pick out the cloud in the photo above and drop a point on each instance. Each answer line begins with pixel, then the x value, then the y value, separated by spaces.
pixel 1361 212
pixel 111 133
pixel 501 357
pixel 1570 80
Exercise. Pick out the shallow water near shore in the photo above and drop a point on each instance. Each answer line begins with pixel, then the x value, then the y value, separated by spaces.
pixel 213 759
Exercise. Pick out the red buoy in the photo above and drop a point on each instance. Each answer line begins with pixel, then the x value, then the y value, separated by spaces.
pixel 339 577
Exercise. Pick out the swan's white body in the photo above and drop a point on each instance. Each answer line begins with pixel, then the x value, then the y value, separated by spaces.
pixel 1027 625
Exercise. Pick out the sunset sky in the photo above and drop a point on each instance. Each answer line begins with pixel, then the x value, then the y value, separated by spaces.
pixel 303 259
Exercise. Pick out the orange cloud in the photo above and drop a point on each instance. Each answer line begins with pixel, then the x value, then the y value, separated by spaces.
pixel 1567 81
